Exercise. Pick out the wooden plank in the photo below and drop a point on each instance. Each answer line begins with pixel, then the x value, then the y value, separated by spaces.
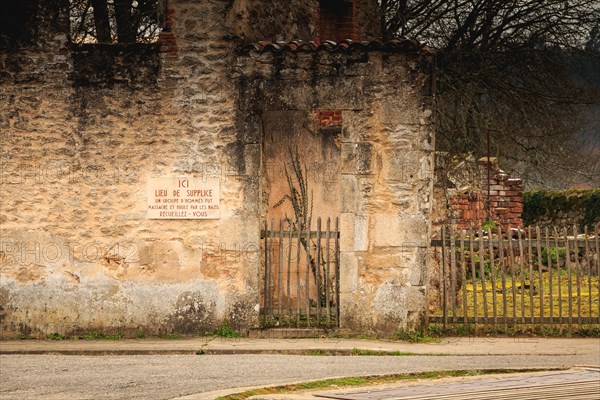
pixel 549 257
pixel 577 278
pixel 482 272
pixel 298 255
pixel 503 276
pixel 463 275
pixel 473 275
pixel 453 283
pixel 592 321
pixel 531 279
pixel 540 271
pixel 270 271
pixel 307 250
pixel 312 234
pixel 326 272
pixel 337 271
pixel 511 258
pixel 569 281
pixel 312 312
pixel 492 276
pixel 289 272
pixel 522 275
pixel 280 267
pixel 266 276
pixel 561 242
pixel 558 276
pixel 588 260
pixel 318 271
pixel 443 279
pixel 598 264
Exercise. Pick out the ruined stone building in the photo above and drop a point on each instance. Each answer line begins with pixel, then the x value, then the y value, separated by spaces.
pixel 102 143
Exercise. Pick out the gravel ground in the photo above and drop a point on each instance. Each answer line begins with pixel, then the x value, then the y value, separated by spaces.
pixel 167 377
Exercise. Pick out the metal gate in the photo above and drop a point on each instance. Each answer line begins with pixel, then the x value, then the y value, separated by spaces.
pixel 300 274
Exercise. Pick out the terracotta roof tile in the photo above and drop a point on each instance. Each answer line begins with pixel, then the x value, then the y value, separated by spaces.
pixel 396 45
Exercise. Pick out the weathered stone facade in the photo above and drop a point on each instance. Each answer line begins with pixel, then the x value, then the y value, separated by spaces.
pixel 86 127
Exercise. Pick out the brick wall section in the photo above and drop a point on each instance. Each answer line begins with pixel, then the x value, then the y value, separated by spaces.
pixel 505 202
pixel 167 40
pixel 468 208
pixel 326 118
pixel 336 20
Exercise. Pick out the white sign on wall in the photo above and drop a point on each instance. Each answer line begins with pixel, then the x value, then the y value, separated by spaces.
pixel 183 198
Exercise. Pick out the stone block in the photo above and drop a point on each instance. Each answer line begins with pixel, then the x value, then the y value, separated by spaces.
pixel 348 272
pixel 416 298
pixel 357 158
pixel 361 233
pixel 347 226
pixel 390 302
pixel 397 230
pixel 348 193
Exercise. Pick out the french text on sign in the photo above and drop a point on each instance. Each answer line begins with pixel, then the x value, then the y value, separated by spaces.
pixel 183 198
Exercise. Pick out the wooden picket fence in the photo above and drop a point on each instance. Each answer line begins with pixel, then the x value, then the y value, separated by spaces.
pixel 515 280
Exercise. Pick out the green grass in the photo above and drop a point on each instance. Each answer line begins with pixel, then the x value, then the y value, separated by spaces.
pixel 226 331
pixel 559 294
pixel 171 336
pixel 316 353
pixel 362 381
pixel 365 352
pixel 56 336
pixel 101 336
pixel 414 336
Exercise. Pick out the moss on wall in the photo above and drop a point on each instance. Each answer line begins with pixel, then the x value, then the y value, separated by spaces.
pixel 562 207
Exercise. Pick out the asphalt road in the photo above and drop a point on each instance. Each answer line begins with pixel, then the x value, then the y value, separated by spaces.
pixel 173 376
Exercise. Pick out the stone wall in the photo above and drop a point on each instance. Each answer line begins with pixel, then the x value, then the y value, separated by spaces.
pixel 85 128
pixel 385 179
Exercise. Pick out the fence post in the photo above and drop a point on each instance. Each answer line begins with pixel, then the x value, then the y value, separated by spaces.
pixel 298 256
pixel 453 283
pixel 558 279
pixel 549 257
pixel 569 279
pixel 473 277
pixel 463 279
pixel 444 289
pixel 502 266
pixel 492 275
pixel 279 271
pixel 540 272
pixel 482 273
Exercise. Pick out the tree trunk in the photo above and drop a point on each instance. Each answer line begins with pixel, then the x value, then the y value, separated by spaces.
pixel 101 21
pixel 126 30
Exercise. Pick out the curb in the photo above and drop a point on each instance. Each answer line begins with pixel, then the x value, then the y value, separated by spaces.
pixel 290 352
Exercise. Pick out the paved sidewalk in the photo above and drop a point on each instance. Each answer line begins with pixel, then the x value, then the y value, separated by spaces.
pixel 328 346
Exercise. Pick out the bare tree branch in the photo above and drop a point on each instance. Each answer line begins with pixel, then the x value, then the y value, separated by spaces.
pixel 510 66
